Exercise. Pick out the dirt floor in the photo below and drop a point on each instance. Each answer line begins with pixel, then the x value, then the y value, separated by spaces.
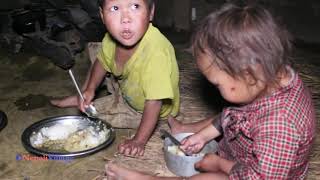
pixel 28 81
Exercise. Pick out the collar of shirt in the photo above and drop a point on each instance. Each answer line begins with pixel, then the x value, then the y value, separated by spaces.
pixel 237 119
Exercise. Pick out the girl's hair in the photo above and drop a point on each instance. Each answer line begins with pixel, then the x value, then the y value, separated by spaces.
pixel 149 3
pixel 240 38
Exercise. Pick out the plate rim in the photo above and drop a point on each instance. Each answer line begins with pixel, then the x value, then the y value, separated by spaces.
pixel 4 120
pixel 25 138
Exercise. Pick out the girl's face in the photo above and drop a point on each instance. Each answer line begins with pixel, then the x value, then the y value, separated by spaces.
pixel 126 20
pixel 239 91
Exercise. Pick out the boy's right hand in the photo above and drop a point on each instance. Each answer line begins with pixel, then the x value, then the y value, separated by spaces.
pixel 88 95
pixel 192 144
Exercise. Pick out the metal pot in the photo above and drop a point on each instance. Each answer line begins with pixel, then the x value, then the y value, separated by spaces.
pixel 182 165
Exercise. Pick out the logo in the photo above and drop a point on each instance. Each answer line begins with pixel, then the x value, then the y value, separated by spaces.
pixel 18 157
pixel 28 157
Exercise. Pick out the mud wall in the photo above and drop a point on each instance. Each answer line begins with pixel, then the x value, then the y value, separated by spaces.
pixel 302 18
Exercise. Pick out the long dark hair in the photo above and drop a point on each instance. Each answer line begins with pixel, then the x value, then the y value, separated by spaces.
pixel 240 38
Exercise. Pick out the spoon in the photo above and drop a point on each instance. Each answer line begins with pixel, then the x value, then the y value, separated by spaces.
pixel 90 110
pixel 173 140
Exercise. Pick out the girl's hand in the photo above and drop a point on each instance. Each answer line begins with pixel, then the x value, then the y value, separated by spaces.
pixel 214 163
pixel 209 163
pixel 192 144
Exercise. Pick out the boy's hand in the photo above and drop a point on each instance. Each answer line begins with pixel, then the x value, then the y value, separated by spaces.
pixel 88 95
pixel 135 146
pixel 192 144
pixel 131 147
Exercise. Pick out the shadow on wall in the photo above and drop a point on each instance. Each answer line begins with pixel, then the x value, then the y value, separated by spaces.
pixel 173 13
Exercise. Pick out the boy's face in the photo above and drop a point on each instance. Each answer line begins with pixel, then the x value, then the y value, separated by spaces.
pixel 126 20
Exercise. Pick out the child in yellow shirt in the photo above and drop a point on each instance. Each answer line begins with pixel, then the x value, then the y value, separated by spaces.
pixel 142 62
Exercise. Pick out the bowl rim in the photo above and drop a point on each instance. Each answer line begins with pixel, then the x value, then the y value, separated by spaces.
pixel 25 138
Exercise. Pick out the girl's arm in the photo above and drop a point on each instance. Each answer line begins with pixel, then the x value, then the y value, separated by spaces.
pixel 195 142
pixel 211 131
pixel 208 133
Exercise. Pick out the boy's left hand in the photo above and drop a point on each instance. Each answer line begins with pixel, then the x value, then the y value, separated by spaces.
pixel 131 147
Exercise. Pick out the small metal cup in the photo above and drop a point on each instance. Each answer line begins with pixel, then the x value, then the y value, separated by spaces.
pixel 184 165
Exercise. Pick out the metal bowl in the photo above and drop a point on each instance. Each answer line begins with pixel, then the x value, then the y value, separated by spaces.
pixel 81 121
pixel 182 165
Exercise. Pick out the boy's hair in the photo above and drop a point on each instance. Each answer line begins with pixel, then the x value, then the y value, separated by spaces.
pixel 240 38
pixel 149 3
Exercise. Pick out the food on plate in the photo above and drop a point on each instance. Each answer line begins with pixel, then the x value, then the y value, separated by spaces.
pixel 84 139
pixel 69 137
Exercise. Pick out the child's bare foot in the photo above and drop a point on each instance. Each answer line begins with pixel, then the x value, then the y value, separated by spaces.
pixel 70 101
pixel 175 125
pixel 116 172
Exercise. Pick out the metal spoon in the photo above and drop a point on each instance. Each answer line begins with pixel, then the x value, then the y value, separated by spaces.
pixel 173 140
pixel 90 110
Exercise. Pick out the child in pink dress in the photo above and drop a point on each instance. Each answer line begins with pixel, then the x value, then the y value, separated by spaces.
pixel 269 133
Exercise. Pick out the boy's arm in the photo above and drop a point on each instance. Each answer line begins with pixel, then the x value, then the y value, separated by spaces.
pixel 149 120
pixel 95 76
pixel 135 146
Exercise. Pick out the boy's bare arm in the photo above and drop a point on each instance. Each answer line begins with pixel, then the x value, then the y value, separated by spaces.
pixel 149 120
pixel 96 75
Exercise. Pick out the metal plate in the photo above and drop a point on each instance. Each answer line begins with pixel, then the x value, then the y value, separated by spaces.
pixel 81 121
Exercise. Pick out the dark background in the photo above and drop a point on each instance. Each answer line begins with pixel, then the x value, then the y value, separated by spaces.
pixel 302 17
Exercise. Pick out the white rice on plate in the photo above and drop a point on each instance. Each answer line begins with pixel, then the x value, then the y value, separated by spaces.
pixel 68 137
